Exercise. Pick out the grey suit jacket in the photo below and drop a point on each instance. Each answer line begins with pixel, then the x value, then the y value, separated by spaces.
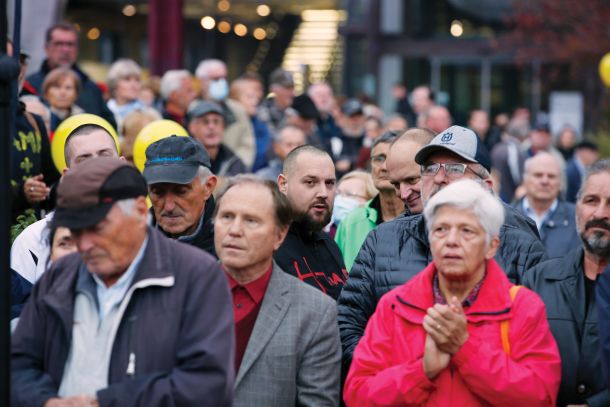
pixel 293 356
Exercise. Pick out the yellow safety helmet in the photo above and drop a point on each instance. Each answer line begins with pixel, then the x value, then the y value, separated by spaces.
pixel 152 132
pixel 67 127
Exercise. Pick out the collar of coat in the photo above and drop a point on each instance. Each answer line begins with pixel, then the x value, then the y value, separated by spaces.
pixel 493 301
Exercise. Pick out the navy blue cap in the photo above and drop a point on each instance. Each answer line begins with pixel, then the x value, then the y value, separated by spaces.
pixel 174 160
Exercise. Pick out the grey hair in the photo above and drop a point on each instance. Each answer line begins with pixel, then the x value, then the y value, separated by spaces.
pixel 596 168
pixel 171 81
pixel 467 194
pixel 203 173
pixel 202 69
pixel 121 69
pixel 126 206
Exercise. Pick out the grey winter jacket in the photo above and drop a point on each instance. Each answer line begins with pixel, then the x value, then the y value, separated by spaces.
pixel 397 250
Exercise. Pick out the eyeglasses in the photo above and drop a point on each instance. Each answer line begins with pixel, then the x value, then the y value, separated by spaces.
pixel 452 170
pixel 378 159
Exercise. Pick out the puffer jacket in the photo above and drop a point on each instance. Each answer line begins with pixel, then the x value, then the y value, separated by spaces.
pixel 397 250
pixel 388 368
pixel 560 283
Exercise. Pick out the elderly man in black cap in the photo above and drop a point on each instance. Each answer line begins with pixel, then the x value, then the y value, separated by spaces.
pixel 133 318
pixel 180 186
pixel 397 250
pixel 206 123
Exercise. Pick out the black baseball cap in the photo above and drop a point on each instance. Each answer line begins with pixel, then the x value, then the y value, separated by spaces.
pixel 87 192
pixel 175 160
pixel 305 107
pixel 352 107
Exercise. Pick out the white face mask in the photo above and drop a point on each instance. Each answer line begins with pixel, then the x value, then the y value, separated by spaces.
pixel 342 207
pixel 218 89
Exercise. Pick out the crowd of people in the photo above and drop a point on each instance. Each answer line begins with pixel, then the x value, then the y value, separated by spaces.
pixel 274 249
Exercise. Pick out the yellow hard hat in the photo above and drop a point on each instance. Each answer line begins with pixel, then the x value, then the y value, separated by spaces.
pixel 152 132
pixel 67 127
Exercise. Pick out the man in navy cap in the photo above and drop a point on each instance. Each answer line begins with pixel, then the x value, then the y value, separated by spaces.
pixel 397 250
pixel 180 186
pixel 133 318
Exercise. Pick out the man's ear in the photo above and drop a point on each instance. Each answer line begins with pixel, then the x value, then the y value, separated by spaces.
pixel 281 183
pixel 142 207
pixel 281 235
pixel 210 185
pixel 493 247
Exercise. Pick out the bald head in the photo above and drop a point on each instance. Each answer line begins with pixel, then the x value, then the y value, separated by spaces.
pixel 542 178
pixel 291 158
pixel 437 119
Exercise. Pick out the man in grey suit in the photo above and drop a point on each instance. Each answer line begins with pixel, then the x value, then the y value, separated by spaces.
pixel 287 340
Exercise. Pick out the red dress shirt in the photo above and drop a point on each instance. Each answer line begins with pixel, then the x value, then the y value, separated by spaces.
pixel 247 301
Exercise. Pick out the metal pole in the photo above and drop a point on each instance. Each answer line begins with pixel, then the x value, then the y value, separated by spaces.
pixel 9 70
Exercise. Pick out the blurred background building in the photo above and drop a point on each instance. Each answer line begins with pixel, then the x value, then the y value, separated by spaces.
pixel 473 53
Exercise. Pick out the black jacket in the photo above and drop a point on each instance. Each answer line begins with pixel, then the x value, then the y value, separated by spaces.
pixel 227 164
pixel 314 259
pixel 397 250
pixel 560 283
pixel 203 237
pixel 178 323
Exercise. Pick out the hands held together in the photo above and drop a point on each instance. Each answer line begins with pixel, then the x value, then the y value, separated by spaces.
pixel 446 328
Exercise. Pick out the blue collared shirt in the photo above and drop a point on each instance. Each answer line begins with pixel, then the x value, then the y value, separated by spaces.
pixel 538 219
pixel 109 297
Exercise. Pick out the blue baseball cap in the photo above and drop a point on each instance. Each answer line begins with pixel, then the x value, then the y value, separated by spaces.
pixel 174 160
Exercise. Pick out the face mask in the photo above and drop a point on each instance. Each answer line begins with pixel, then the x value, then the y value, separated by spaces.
pixel 342 207
pixel 218 89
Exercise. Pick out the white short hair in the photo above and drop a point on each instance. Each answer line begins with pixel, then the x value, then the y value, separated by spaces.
pixel 171 81
pixel 121 69
pixel 202 69
pixel 468 195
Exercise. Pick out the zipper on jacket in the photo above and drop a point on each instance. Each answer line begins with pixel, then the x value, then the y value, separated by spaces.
pixel 131 366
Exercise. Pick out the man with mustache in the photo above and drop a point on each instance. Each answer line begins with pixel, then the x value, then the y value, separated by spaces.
pixel 180 187
pixel 567 287
pixel 397 250
pixel 308 181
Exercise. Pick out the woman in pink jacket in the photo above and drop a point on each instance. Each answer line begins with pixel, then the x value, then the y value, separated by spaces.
pixel 457 334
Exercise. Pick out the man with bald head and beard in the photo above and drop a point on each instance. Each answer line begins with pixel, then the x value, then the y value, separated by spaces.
pixel 397 250
pixel 308 181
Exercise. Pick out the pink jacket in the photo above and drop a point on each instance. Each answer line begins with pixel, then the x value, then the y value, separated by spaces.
pixel 387 368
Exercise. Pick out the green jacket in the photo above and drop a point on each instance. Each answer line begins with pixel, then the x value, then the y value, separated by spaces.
pixel 353 230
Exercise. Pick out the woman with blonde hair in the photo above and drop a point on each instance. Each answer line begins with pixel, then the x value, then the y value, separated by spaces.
pixel 60 89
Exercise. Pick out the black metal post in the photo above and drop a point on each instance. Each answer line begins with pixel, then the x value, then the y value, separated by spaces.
pixel 9 71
